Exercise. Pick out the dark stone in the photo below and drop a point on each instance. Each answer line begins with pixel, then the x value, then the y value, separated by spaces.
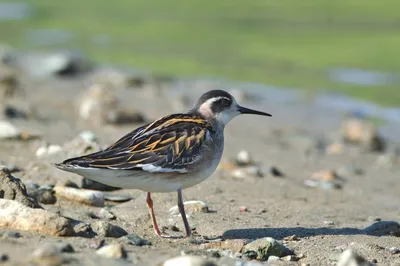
pixel 383 228
pixel 136 240
pixel 12 188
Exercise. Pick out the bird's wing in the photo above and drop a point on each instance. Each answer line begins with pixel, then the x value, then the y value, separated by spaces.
pixel 169 144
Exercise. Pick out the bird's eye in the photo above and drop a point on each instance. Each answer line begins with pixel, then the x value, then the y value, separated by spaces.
pixel 225 102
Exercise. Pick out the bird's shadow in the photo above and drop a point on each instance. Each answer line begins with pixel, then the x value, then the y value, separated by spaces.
pixel 281 233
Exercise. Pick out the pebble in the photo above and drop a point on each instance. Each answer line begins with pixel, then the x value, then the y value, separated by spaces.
pixel 326 179
pixel 93 185
pixel 383 228
pixel 46 151
pixel 274 171
pixel 394 250
pixel 106 214
pixel 3 257
pixel 117 197
pixel 189 261
pixel 13 189
pixel 234 245
pixel 351 258
pixel 16 216
pixel 243 209
pixel 96 104
pixel 8 130
pixel 135 240
pixel 244 172
pixel 190 207
pixel 88 136
pixel 243 158
pixel 364 133
pixel 106 229
pixel 264 247
pixel 291 238
pixel 89 197
pixel 10 234
pixel 112 251
pixel 273 258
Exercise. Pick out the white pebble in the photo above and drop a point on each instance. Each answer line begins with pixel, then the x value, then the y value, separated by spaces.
pixel 189 261
pixel 89 197
pixel 8 130
pixel 190 207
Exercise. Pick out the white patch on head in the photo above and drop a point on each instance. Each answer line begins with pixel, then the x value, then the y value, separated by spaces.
pixel 223 117
pixel 226 116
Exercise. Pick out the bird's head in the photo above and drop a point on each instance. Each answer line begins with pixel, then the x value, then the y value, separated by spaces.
pixel 220 106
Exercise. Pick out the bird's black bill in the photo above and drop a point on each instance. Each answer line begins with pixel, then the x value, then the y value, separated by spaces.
pixel 244 110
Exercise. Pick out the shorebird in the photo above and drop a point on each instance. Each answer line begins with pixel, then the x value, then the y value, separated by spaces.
pixel 170 154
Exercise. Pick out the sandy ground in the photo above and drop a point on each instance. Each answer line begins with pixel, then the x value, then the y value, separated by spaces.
pixel 325 221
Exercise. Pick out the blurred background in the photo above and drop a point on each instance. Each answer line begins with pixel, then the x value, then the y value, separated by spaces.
pixel 346 46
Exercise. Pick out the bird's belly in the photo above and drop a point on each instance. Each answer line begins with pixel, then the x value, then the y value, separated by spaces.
pixel 149 182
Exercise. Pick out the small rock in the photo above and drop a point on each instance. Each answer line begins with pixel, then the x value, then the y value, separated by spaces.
pixel 9 131
pixel 243 158
pixel 291 238
pixel 394 250
pixel 326 179
pixel 351 258
pixel 68 63
pixel 89 197
pixel 189 261
pixel 13 112
pixel 15 216
pixel 10 234
pixel 117 197
pixel 66 248
pixel 97 103
pixel 364 133
pixel 106 229
pixel 46 151
pixel 276 172
pixel 174 228
pixel 229 170
pixel 273 258
pixel 243 209
pixel 383 228
pixel 190 207
pixel 90 184
pixel 45 196
pixel 265 247
pixel 135 240
pixel 106 214
pixel 234 245
pixel 12 188
pixel 3 257
pixel 88 136
pixel 83 230
pixel 329 223
pixel 112 251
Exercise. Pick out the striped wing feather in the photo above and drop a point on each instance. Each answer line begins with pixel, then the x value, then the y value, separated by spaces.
pixel 169 144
